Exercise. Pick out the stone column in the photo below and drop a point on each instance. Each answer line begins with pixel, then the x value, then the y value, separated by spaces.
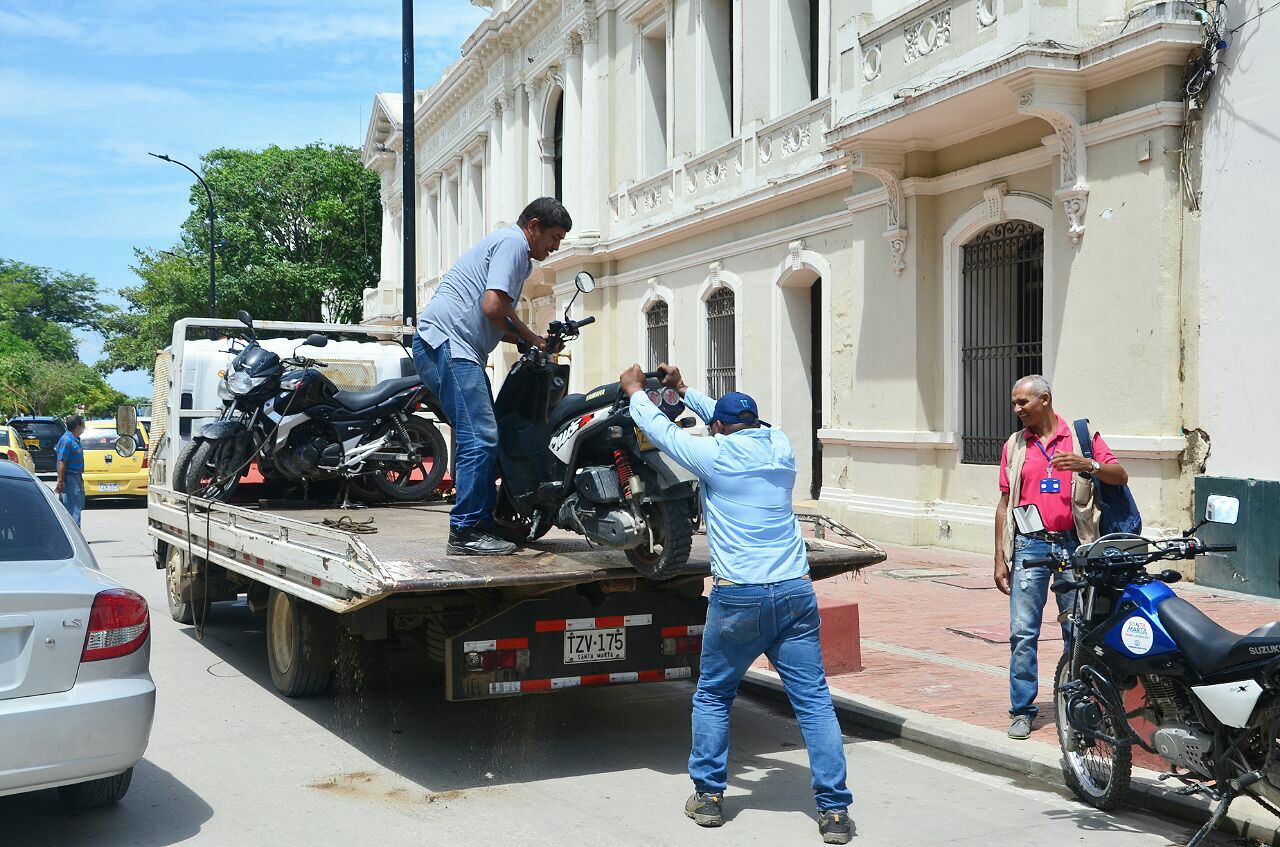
pixel 589 221
pixel 573 163
pixel 537 90
pixel 493 210
pixel 509 187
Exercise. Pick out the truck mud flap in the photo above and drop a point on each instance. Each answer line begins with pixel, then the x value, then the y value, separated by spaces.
pixel 564 641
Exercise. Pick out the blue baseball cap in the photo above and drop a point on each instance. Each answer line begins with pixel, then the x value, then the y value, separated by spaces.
pixel 737 408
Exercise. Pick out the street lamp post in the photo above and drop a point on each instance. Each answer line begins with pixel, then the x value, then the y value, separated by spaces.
pixel 213 285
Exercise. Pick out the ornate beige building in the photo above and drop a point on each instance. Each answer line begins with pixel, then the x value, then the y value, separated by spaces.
pixel 872 215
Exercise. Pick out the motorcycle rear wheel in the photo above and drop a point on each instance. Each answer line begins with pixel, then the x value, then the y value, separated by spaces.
pixel 672 524
pixel 399 484
pixel 1095 771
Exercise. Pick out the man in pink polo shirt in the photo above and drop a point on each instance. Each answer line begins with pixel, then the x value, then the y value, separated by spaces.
pixel 1041 464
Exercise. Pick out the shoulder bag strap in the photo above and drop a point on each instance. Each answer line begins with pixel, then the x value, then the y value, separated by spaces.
pixel 1082 438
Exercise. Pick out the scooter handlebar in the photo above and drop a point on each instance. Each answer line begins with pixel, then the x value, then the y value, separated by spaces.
pixel 589 319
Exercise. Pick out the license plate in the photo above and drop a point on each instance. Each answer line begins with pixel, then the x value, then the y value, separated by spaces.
pixel 32 443
pixel 595 645
pixel 108 486
pixel 642 440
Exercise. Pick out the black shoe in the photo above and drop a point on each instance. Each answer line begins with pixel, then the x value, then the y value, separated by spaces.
pixel 705 809
pixel 836 826
pixel 476 542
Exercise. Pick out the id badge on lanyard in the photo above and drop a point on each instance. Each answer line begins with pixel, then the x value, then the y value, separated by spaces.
pixel 1050 484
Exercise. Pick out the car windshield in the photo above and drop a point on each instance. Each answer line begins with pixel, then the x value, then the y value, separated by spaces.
pixel 29 529
pixel 105 439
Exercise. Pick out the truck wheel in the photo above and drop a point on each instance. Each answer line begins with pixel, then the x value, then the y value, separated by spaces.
pixel 95 792
pixel 672 525
pixel 192 610
pixel 412 485
pixel 300 645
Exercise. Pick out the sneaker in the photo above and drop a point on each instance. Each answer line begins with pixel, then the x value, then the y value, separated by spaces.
pixel 1020 729
pixel 476 542
pixel 705 809
pixel 836 826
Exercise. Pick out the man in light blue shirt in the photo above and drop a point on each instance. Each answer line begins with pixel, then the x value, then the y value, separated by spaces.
pixel 471 311
pixel 762 600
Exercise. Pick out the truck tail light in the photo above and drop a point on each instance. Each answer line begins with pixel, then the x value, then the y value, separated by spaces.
pixel 118 625
pixel 493 660
pixel 681 644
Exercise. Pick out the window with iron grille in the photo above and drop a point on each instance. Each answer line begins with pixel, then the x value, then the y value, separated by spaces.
pixel 721 332
pixel 1002 327
pixel 656 319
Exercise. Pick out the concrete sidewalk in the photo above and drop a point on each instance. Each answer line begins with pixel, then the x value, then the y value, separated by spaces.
pixel 935 651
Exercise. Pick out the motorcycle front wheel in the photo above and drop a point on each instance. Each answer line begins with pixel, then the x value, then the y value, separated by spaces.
pixel 211 470
pixel 665 551
pixel 416 483
pixel 1095 771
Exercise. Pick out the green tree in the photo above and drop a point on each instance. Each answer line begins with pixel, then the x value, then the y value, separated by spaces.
pixel 42 307
pixel 303 232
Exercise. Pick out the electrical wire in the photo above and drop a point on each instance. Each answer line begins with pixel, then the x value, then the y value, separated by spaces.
pixel 1260 13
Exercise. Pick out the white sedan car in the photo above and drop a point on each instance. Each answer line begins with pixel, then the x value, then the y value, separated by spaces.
pixel 76 697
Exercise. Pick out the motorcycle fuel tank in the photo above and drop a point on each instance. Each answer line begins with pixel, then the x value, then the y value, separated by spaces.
pixel 1140 633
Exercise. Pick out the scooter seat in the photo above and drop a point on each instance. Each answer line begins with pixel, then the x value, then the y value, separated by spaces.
pixel 1210 647
pixel 574 405
pixel 358 400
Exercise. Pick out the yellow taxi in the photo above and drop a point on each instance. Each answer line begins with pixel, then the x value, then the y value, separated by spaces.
pixel 106 472
pixel 14 449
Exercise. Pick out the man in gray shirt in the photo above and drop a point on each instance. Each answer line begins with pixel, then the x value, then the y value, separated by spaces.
pixel 471 311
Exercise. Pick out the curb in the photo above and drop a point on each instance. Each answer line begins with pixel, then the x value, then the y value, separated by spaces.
pixel 1026 758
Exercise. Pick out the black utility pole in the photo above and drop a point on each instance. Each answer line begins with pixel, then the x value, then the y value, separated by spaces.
pixel 407 177
pixel 213 282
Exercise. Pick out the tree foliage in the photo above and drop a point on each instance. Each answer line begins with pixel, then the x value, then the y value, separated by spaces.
pixel 40 371
pixel 302 229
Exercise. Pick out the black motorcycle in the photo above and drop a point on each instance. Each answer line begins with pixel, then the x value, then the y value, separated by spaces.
pixel 290 418
pixel 580 463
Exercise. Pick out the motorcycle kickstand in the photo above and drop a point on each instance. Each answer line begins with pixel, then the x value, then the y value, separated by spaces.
pixel 344 495
pixel 1234 789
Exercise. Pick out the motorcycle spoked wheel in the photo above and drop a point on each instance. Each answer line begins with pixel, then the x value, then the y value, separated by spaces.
pixel 1095 771
pixel 672 524
pixel 211 470
pixel 412 485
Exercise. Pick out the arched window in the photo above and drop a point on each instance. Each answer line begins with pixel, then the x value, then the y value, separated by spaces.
pixel 656 318
pixel 722 366
pixel 557 156
pixel 1001 332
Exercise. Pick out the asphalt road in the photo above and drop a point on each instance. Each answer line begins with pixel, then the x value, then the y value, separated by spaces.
pixel 233 763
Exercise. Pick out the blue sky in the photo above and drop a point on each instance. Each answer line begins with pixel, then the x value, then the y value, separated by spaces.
pixel 88 88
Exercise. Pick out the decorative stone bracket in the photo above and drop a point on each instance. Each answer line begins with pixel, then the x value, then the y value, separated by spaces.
pixel 885 163
pixel 1061 105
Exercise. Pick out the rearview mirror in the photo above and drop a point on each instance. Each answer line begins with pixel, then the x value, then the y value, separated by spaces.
pixel 315 339
pixel 1028 520
pixel 585 282
pixel 245 319
pixel 127 421
pixel 126 446
pixel 1221 508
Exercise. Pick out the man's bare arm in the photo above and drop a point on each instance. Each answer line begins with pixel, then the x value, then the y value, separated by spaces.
pixel 499 308
pixel 1002 567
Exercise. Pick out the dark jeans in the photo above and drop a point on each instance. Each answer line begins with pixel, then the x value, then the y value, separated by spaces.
pixel 467 398
pixel 779 620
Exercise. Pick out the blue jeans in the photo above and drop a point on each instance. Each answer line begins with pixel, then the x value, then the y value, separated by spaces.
pixel 781 621
pixel 72 495
pixel 1028 591
pixel 467 398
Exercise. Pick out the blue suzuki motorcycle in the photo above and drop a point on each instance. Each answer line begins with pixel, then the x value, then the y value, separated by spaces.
pixel 1212 695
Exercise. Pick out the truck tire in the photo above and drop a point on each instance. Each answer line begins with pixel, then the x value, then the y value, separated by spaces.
pixel 190 611
pixel 301 641
pixel 672 524
pixel 399 486
pixel 180 471
pixel 95 792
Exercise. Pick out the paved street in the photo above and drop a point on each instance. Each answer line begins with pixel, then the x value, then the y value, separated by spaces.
pixel 232 763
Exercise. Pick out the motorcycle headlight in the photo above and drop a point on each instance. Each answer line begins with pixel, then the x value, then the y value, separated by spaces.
pixel 241 383
pixel 224 392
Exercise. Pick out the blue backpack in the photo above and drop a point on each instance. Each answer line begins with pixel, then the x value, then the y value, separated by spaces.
pixel 1118 512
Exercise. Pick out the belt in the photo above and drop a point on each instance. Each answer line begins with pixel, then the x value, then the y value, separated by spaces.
pixel 719 580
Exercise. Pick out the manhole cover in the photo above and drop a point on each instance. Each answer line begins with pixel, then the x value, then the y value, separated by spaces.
pixel 999 633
